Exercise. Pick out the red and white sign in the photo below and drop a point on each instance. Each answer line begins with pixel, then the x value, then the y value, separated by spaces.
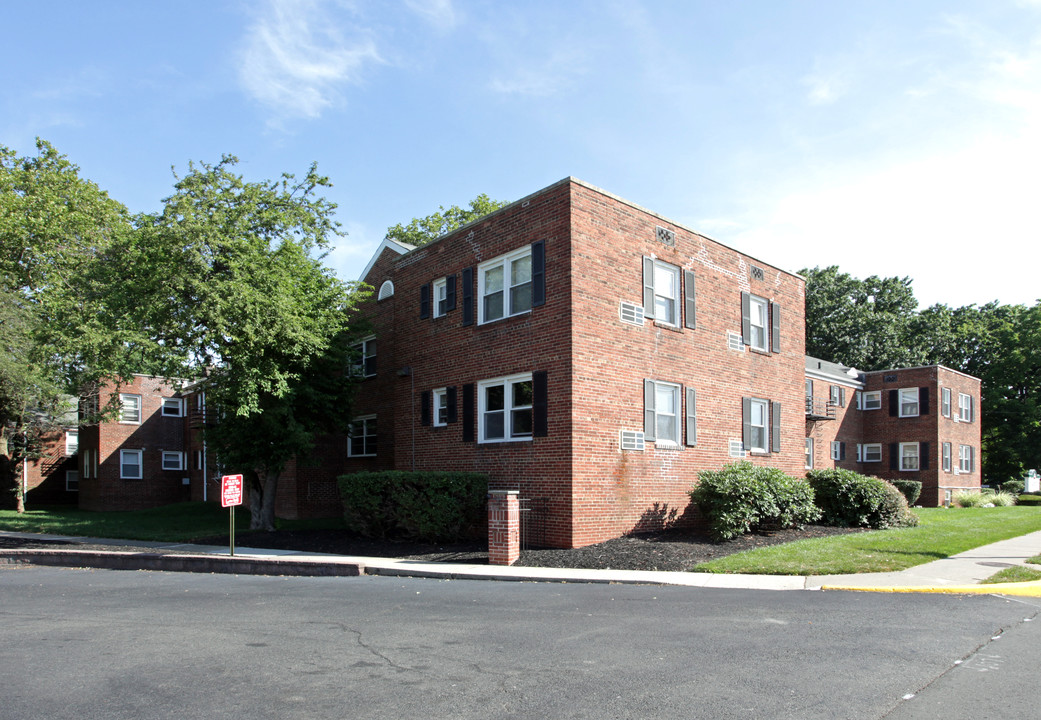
pixel 230 490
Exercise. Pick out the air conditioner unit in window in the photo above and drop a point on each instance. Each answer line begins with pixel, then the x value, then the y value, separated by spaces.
pixel 631 313
pixel 631 440
pixel 956 418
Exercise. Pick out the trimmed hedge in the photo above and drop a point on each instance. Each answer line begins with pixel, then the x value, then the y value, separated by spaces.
pixel 1028 500
pixel 431 506
pixel 742 497
pixel 1013 486
pixel 912 489
pixel 849 499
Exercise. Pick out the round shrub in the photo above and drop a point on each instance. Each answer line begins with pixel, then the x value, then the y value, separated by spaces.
pixel 912 489
pixel 849 499
pixel 1015 487
pixel 742 497
pixel 968 498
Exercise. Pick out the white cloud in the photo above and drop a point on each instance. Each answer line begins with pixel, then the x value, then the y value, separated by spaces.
pixel 548 77
pixel 439 13
pixel 296 61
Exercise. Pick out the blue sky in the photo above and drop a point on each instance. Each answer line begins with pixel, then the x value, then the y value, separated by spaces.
pixel 890 138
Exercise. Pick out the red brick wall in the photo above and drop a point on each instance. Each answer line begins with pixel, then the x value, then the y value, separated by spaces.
pixel 45 478
pixel 846 426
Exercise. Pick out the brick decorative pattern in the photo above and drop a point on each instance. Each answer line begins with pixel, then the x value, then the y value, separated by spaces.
pixel 503 527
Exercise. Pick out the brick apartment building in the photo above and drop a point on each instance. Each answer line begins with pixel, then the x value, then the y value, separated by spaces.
pixel 588 353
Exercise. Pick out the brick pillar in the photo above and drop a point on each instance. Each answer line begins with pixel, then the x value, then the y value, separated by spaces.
pixel 503 527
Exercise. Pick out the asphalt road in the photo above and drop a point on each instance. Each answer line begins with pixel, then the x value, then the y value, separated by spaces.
pixel 108 644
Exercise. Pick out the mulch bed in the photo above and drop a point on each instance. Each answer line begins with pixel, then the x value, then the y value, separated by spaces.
pixel 669 550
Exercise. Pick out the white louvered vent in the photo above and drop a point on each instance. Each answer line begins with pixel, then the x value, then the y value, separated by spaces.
pixel 734 342
pixel 630 313
pixel 631 440
pixel 665 236
pixel 737 449
pixel 957 470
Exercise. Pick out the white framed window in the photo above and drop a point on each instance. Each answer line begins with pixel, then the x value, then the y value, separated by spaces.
pixel 173 460
pixel 758 323
pixel 130 464
pixel 908 456
pixel 90 462
pixel 441 297
pixel 965 464
pixel 504 286
pixel 662 412
pixel 965 407
pixel 838 396
pixel 838 450
pixel 365 358
pixel 362 439
pixel 908 399
pixel 945 402
pixel 871 400
pixel 759 422
pixel 662 292
pixel 198 459
pixel 130 408
pixel 72 442
pixel 72 481
pixel 504 409
pixel 173 407
pixel 809 453
pixel 440 402
pixel 946 457
pixel 869 452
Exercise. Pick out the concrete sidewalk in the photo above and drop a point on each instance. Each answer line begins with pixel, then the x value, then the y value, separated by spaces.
pixel 960 573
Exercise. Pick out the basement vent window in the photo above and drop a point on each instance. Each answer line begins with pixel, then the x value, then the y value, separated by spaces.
pixel 666 236
pixel 737 449
pixel 632 440
pixel 734 342
pixel 630 313
pixel 757 273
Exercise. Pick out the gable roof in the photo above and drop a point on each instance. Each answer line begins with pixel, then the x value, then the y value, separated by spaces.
pixel 399 247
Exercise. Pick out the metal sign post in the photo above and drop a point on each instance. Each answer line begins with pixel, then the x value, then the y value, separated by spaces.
pixel 231 496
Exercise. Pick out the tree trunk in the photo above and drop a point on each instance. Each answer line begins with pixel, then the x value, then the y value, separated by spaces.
pixel 263 485
pixel 10 475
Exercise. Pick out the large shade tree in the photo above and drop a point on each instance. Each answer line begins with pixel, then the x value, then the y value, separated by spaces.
pixel 420 231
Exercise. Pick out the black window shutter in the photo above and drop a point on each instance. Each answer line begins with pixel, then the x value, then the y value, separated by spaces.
pixel 424 407
pixel 842 397
pixel 746 422
pixel 923 401
pixel 538 273
pixel 923 456
pixel 648 410
pixel 450 293
pixel 842 451
pixel 424 301
pixel 894 456
pixel 775 334
pixel 540 403
pixel 451 405
pixel 746 318
pixel 894 403
pixel 689 300
pixel 469 398
pixel 692 417
pixel 468 298
pixel 648 287
pixel 775 430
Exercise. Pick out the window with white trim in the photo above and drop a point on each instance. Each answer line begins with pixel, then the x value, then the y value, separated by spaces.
pixel 945 402
pixel 809 454
pixel 965 464
pixel 758 323
pixel 90 462
pixel 361 441
pixel 838 450
pixel 908 456
pixel 871 400
pixel 504 286
pixel 505 409
pixel 72 442
pixel 946 457
pixel 870 452
pixel 908 399
pixel 441 297
pixel 365 358
pixel 130 462
pixel 965 407
pixel 172 407
pixel 759 421
pixel 72 481
pixel 173 460
pixel 129 408
pixel 440 402
pixel 662 288
pixel 198 459
pixel 662 412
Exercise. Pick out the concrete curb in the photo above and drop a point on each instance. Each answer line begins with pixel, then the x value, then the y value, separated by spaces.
pixel 1030 588
pixel 181 563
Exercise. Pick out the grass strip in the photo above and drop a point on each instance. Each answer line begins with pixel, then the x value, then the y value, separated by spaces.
pixel 1017 573
pixel 942 533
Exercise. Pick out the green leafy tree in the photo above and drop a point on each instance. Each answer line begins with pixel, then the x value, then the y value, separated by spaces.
pixel 54 229
pixel 229 285
pixel 421 231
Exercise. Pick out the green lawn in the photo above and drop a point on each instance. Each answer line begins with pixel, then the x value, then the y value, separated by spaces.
pixel 172 523
pixel 942 533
